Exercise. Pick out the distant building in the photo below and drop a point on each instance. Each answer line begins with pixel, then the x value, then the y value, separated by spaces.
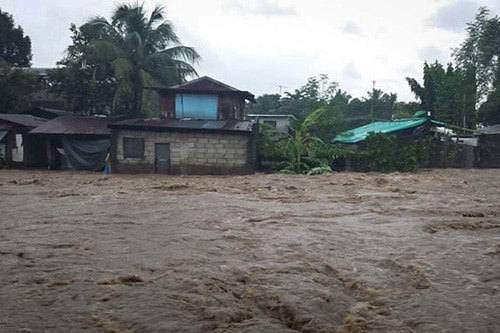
pixel 489 147
pixel 280 122
pixel 41 97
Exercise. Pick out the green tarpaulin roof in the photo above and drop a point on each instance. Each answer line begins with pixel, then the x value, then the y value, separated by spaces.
pixel 358 134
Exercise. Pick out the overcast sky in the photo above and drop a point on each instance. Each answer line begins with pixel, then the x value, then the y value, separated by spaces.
pixel 260 45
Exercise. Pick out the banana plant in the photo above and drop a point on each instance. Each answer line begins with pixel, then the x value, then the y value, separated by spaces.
pixel 297 148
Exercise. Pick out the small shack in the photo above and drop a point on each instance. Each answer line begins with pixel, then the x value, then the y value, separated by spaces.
pixel 489 147
pixel 280 122
pixel 76 142
pixel 171 146
pixel 20 149
pixel 448 149
pixel 398 127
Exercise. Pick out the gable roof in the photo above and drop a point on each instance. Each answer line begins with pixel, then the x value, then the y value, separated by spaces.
pixel 80 125
pixel 206 85
pixel 46 112
pixel 26 120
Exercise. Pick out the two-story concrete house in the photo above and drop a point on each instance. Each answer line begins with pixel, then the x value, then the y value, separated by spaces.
pixel 201 130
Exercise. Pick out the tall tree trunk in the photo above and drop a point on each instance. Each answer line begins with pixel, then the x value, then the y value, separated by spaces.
pixel 137 95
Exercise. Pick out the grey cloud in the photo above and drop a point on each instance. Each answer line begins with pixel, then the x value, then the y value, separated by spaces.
pixel 408 69
pixel 261 7
pixel 351 28
pixel 430 53
pixel 351 72
pixel 454 16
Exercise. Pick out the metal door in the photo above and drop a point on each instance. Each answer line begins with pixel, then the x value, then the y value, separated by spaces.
pixel 162 158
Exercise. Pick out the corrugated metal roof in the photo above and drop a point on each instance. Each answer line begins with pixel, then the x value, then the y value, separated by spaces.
pixel 75 125
pixel 205 85
pixel 22 119
pixel 358 134
pixel 173 125
pixel 270 115
pixel 205 82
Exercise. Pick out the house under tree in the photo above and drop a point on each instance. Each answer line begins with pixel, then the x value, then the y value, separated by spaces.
pixel 201 130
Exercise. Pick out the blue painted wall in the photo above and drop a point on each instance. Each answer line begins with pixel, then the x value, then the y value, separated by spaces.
pixel 196 106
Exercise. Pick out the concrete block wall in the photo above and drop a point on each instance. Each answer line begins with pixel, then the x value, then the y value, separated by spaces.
pixel 190 153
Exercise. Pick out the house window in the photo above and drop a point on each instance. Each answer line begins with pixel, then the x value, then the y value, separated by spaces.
pixel 133 147
pixel 196 106
pixel 271 123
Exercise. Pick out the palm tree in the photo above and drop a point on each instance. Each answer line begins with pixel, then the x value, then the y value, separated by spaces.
pixel 141 50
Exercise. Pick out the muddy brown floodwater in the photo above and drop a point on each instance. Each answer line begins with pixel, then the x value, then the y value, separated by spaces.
pixel 341 252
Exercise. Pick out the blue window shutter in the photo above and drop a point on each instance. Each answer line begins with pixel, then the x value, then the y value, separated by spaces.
pixel 196 106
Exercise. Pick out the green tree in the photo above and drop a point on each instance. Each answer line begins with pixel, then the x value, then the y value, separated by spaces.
pixel 267 103
pixel 142 51
pixel 16 85
pixel 479 58
pixel 358 112
pixel 449 94
pixel 489 111
pixel 405 109
pixel 426 93
pixel 88 85
pixel 15 47
pixel 381 104
pixel 480 52
pixel 378 106
pixel 333 121
pixel 317 92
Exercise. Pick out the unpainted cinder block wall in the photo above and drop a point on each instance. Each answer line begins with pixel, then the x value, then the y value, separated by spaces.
pixel 190 153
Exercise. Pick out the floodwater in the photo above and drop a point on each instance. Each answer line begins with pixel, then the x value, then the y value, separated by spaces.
pixel 341 252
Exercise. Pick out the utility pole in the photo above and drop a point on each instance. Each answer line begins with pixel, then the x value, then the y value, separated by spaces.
pixel 372 103
pixel 281 88
pixel 463 107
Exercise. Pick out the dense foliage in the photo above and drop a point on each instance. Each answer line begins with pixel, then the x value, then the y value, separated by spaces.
pixel 341 111
pixel 468 92
pixel 15 87
pixel 16 84
pixel 122 57
pixel 449 94
pixel 15 47
pixel 88 87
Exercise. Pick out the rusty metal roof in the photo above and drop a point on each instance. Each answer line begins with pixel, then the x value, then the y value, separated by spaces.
pixel 206 85
pixel 22 119
pixel 75 125
pixel 184 125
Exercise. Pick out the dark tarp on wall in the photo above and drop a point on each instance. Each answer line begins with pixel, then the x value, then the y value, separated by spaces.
pixel 86 154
